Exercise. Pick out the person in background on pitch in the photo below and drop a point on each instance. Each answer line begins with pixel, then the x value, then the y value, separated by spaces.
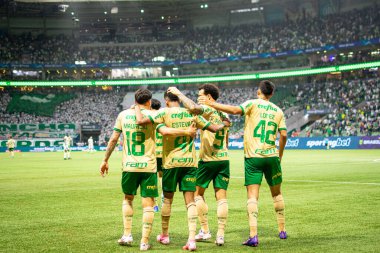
pixel 263 120
pixel 11 144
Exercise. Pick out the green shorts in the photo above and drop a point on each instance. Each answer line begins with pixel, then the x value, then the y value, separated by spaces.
pixel 10 149
pixel 255 167
pixel 184 176
pixel 217 171
pixel 130 182
pixel 159 163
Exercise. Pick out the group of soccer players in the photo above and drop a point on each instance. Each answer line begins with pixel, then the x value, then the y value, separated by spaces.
pixel 142 126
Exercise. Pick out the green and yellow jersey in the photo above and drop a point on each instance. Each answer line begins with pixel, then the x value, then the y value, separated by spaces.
pixel 158 144
pixel 213 145
pixel 139 145
pixel 11 143
pixel 263 120
pixel 179 151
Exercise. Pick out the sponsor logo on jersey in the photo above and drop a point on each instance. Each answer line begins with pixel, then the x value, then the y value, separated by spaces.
pixel 182 160
pixel 136 165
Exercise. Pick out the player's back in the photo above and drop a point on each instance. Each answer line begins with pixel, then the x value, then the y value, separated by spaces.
pixel 139 142
pixel 263 120
pixel 178 151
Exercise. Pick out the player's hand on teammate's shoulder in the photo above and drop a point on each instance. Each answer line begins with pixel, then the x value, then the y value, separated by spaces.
pixel 174 91
pixel 192 130
pixel 104 168
pixel 204 100
pixel 133 106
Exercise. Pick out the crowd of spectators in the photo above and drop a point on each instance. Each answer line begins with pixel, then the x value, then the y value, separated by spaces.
pixel 202 43
pixel 351 107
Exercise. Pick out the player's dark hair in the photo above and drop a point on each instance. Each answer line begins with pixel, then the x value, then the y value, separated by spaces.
pixel 171 97
pixel 142 96
pixel 156 104
pixel 267 87
pixel 211 89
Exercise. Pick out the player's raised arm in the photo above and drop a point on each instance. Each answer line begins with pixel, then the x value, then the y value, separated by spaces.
pixel 187 102
pixel 230 109
pixel 140 119
pixel 110 147
pixel 167 131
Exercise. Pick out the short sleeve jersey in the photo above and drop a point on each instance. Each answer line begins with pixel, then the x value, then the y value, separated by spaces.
pixel 214 145
pixel 11 143
pixel 179 151
pixel 263 120
pixel 139 146
pixel 67 141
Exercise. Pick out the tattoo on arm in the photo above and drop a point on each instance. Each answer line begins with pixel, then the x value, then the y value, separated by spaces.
pixel 190 104
pixel 111 145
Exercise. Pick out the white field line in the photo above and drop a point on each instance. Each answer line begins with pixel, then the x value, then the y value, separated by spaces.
pixel 325 182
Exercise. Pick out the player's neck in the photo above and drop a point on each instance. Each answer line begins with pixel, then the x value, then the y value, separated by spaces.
pixel 173 104
pixel 263 97
pixel 144 107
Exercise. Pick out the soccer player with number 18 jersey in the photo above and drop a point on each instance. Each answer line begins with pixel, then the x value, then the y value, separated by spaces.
pixel 263 120
pixel 139 164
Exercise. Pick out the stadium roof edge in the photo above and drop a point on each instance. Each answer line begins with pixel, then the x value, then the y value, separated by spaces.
pixel 200 79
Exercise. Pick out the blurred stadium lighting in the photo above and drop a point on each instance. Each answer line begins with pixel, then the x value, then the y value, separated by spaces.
pixel 114 10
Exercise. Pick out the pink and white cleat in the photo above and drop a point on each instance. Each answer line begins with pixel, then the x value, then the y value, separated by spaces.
pixel 163 239
pixel 190 246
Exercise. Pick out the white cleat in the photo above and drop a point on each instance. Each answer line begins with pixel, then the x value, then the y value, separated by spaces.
pixel 219 241
pixel 144 246
pixel 202 236
pixel 125 240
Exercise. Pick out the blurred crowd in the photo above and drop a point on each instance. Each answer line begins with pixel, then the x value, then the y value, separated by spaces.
pixel 350 107
pixel 202 43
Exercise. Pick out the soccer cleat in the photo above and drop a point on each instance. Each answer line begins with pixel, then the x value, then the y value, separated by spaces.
pixel 163 239
pixel 219 241
pixel 144 246
pixel 283 235
pixel 125 240
pixel 202 236
pixel 156 209
pixel 252 241
pixel 190 246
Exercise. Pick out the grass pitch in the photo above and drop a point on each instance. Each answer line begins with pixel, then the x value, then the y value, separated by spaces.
pixel 50 205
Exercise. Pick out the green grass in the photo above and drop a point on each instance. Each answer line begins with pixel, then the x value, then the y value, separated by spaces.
pixel 52 205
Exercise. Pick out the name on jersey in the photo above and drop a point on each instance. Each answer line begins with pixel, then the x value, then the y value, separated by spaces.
pixel 136 165
pixel 265 115
pixel 182 160
pixel 267 107
pixel 134 126
pixel 181 115
pixel 266 152
pixel 181 124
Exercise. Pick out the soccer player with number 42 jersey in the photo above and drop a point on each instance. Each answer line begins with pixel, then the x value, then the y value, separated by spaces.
pixel 139 163
pixel 263 120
